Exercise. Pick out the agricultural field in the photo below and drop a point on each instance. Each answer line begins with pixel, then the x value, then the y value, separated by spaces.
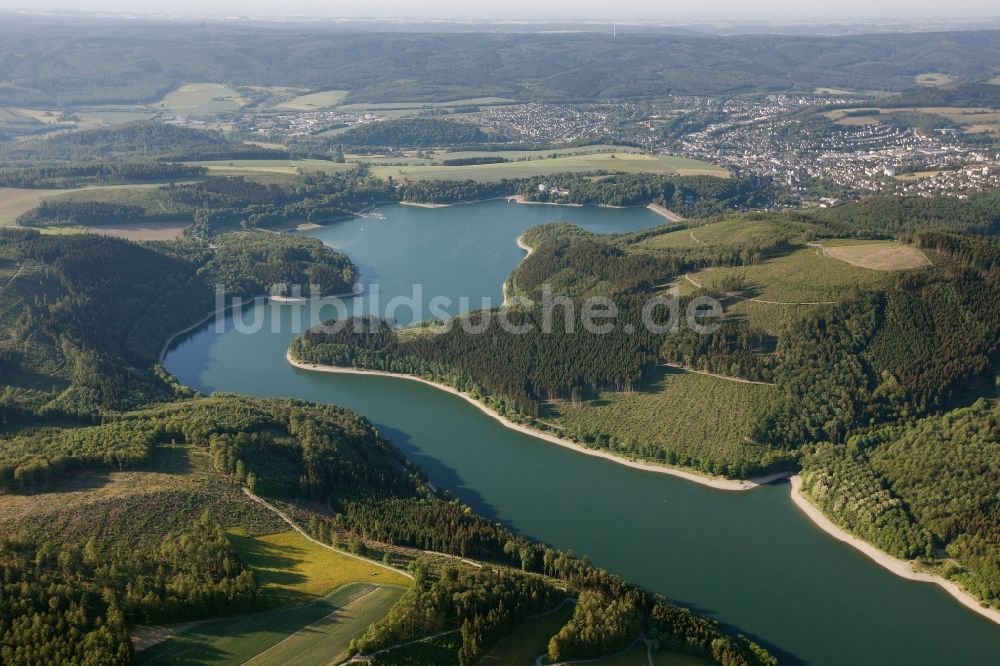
pixel 283 167
pixel 17 121
pixel 834 91
pixel 805 276
pixel 840 119
pixel 523 645
pixel 971 119
pixel 200 99
pixel 362 107
pixel 412 158
pixel 99 117
pixel 933 79
pixel 293 569
pixel 314 101
pixel 326 641
pixel 676 412
pixel 150 196
pixel 15 200
pixel 612 162
pixel 536 154
pixel 44 116
pixel 142 231
pixel 315 633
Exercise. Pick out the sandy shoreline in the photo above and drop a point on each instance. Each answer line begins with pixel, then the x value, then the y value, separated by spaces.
pixel 220 312
pixel 506 283
pixel 517 198
pixel 425 205
pixel 895 565
pixel 524 246
pixel 198 324
pixel 718 483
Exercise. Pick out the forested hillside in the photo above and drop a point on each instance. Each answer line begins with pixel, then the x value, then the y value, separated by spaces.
pixel 86 316
pixel 414 133
pixel 887 217
pixel 182 567
pixel 250 264
pixel 968 95
pixel 112 64
pixel 55 175
pixel 171 560
pixel 926 490
pixel 691 196
pixel 218 204
pixel 135 141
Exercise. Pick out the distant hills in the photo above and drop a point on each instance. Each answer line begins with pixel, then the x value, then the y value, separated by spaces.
pixel 97 63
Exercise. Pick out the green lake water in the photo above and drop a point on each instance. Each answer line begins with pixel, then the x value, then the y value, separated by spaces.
pixel 751 560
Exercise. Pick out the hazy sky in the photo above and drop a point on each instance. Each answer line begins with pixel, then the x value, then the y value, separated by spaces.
pixel 582 9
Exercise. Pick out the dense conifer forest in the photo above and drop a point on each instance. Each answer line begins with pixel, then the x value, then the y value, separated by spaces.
pixel 413 133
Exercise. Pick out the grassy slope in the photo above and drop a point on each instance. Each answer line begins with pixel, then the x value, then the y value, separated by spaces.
pixel 136 507
pixel 293 569
pixel 238 639
pixel 424 170
pixel 622 162
pixel 15 200
pixel 314 101
pixel 303 629
pixel 326 641
pixel 735 231
pixel 440 651
pixel 805 275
